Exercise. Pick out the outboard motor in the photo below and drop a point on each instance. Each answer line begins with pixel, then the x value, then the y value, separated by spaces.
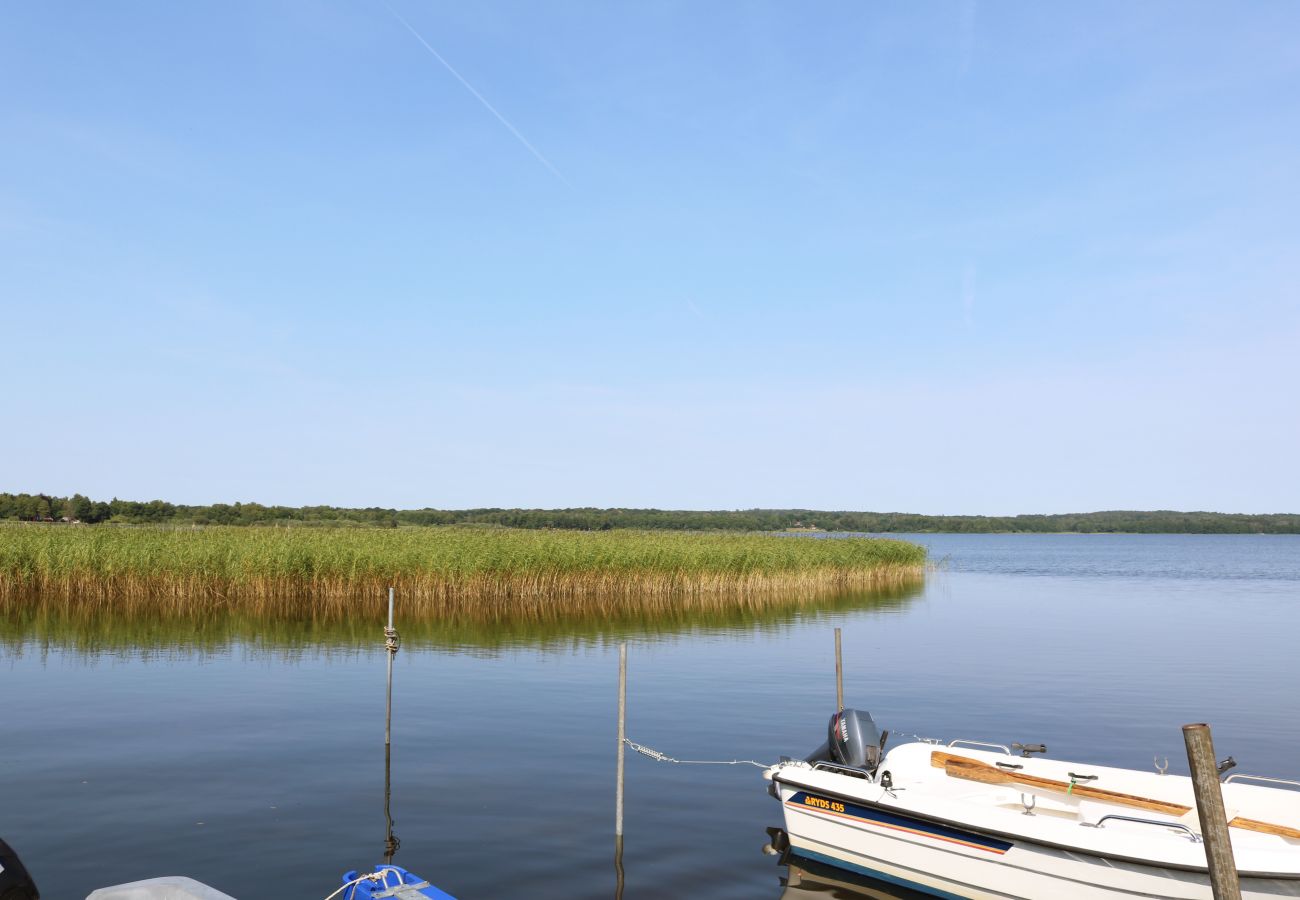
pixel 852 740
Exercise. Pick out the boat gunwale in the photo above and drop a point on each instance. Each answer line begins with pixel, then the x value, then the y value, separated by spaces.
pixel 1018 838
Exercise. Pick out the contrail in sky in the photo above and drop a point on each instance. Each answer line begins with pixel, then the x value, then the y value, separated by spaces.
pixel 969 9
pixel 481 99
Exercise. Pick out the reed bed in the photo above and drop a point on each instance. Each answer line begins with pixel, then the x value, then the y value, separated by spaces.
pixel 488 574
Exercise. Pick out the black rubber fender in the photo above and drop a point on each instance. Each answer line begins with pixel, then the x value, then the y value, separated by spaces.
pixel 15 881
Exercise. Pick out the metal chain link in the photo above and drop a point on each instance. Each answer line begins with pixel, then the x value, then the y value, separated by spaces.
pixel 663 757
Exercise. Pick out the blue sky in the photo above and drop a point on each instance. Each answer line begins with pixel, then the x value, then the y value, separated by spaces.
pixel 956 257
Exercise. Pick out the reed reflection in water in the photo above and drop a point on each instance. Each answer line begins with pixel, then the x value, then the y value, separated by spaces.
pixel 31 623
pixel 269 732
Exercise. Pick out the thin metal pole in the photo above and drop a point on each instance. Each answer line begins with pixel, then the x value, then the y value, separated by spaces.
pixel 392 651
pixel 622 739
pixel 1209 807
pixel 839 674
pixel 391 842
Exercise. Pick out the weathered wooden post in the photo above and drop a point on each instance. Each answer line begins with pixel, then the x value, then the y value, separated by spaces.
pixel 1209 807
pixel 839 674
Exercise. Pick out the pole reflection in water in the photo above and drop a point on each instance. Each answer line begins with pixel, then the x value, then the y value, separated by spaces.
pixel 618 867
pixel 391 841
pixel 620 771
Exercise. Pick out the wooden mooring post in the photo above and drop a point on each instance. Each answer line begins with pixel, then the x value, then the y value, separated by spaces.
pixel 1209 807
pixel 839 674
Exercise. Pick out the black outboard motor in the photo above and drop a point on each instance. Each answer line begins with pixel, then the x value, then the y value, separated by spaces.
pixel 852 740
pixel 15 883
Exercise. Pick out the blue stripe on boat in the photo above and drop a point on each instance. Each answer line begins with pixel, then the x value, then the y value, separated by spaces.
pixel 808 801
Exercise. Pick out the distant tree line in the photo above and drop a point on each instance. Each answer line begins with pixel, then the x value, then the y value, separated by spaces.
pixel 77 508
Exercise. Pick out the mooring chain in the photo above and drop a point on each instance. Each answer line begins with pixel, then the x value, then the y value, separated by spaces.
pixel 663 757
pixel 391 640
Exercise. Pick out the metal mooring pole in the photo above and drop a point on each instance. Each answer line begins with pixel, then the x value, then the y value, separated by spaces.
pixel 618 792
pixel 622 738
pixel 1209 807
pixel 839 674
pixel 390 644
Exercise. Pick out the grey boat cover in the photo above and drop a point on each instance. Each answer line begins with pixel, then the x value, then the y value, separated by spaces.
pixel 171 887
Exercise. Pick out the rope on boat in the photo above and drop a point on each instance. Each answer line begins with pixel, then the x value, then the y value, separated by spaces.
pixel 369 876
pixel 663 757
pixel 380 875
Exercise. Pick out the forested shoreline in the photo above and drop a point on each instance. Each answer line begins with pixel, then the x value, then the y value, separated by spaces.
pixel 78 508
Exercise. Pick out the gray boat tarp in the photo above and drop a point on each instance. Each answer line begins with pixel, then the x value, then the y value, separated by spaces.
pixel 172 887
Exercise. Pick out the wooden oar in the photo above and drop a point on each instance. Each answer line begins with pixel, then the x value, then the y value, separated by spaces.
pixel 1292 834
pixel 974 770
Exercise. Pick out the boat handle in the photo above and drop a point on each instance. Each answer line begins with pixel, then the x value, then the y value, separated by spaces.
pixel 1243 775
pixel 1003 747
pixel 386 869
pixel 1195 838
pixel 848 770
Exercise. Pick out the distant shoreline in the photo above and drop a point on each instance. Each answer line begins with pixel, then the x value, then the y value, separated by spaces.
pixel 80 509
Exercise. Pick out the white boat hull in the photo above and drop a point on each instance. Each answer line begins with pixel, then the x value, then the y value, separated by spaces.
pixel 1025 870
pixel 864 829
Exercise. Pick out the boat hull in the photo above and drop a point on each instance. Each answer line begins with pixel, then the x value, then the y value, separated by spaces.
pixel 944 860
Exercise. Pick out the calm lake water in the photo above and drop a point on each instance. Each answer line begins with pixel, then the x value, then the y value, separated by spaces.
pixel 255 764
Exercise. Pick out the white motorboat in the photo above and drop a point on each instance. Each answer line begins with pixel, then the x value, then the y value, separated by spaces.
pixel 962 821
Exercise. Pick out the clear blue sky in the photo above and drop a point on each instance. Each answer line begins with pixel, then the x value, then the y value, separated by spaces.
pixel 950 257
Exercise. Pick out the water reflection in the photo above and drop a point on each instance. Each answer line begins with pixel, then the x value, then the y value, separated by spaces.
pixel 183 744
pixel 35 626
pixel 618 867
pixel 391 841
pixel 806 879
